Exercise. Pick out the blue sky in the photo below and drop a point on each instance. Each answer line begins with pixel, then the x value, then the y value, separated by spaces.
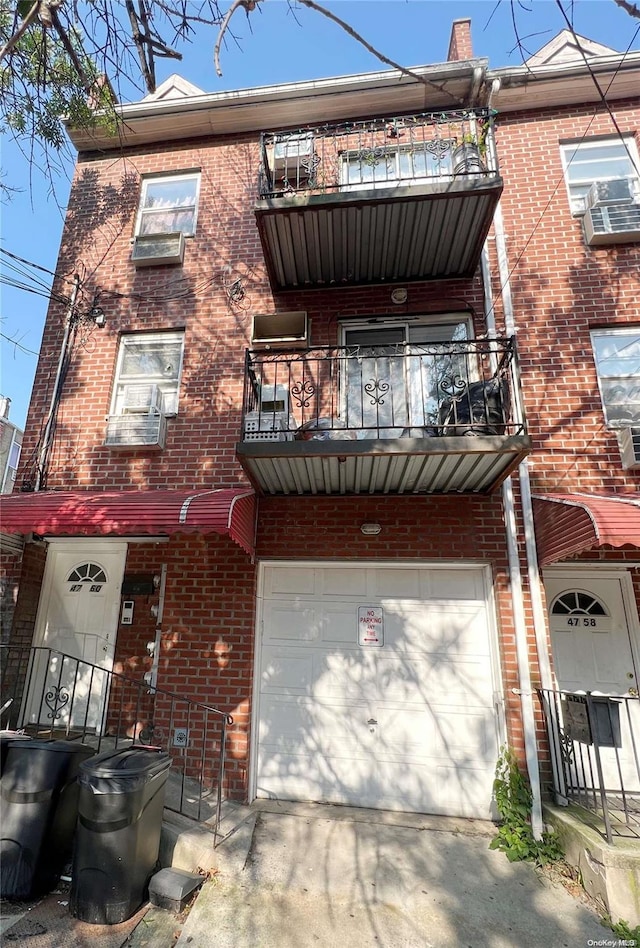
pixel 282 49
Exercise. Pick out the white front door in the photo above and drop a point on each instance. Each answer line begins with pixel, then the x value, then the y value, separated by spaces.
pixel 78 616
pixel 590 634
pixel 591 625
pixel 377 688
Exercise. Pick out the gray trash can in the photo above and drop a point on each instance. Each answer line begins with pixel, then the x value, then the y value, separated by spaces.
pixel 118 835
pixel 39 800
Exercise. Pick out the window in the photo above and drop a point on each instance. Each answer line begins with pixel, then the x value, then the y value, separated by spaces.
pixel 380 167
pixel 169 205
pixel 597 160
pixel 148 374
pixel 399 374
pixel 617 355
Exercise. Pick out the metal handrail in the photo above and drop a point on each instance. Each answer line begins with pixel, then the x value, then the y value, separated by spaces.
pixel 593 742
pixel 50 687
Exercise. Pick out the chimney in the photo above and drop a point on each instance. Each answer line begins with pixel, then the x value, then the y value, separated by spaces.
pixel 4 406
pixel 460 42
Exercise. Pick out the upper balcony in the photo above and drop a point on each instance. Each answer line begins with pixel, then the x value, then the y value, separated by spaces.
pixel 392 419
pixel 385 200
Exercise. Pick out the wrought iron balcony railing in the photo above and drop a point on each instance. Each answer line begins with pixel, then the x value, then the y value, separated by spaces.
pixel 378 153
pixel 356 393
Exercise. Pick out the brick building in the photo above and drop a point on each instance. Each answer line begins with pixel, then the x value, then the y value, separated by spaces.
pixel 337 431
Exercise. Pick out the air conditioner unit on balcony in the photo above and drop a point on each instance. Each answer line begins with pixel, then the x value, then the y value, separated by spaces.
pixel 629 441
pixel 280 331
pixel 614 224
pixel 271 426
pixel 128 431
pixel 289 150
pixel 614 191
pixel 143 399
pixel 153 250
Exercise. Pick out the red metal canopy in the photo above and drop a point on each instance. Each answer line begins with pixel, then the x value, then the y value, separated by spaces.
pixel 131 512
pixel 572 523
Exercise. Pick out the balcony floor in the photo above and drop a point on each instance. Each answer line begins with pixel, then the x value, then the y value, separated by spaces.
pixel 396 466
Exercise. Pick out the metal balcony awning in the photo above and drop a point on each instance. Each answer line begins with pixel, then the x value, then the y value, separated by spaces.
pixel 567 524
pixel 132 512
pixel 388 235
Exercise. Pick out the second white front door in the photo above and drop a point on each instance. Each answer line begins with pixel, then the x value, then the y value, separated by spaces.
pixel 77 616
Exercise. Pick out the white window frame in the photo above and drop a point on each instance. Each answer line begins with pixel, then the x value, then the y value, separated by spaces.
pixel 567 149
pixel 632 333
pixel 168 179
pixel 171 387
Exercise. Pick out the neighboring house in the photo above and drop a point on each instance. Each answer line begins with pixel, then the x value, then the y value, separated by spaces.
pixel 10 447
pixel 342 341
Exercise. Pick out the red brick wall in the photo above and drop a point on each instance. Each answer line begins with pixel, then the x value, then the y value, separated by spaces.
pixel 201 441
pixel 561 290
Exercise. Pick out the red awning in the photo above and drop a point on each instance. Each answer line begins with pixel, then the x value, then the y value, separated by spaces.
pixel 132 512
pixel 567 524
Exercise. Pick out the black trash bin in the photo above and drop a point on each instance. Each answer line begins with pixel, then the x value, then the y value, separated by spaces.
pixel 6 737
pixel 39 799
pixel 118 835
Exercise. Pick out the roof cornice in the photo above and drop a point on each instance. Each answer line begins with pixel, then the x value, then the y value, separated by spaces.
pixel 384 93
pixel 448 85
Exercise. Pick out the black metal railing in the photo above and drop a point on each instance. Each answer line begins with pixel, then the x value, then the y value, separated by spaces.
pixel 48 694
pixel 468 388
pixel 378 153
pixel 594 744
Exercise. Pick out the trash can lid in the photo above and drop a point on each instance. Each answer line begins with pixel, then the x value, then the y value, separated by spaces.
pixel 62 747
pixel 130 762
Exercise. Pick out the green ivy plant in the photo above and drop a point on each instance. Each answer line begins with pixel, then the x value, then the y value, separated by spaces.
pixel 514 801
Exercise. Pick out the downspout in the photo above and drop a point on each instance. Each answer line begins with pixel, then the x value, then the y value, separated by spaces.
pixel 515 574
pixel 47 438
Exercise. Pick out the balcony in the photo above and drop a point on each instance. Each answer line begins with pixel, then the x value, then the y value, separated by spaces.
pixel 391 419
pixel 386 200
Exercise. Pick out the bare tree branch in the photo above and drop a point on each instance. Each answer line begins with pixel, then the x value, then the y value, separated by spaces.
pixel 248 5
pixel 383 59
pixel 631 8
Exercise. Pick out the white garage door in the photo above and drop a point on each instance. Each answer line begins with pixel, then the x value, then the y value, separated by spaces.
pixel 407 722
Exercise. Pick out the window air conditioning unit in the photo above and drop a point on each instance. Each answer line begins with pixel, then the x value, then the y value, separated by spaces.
pixel 606 193
pixel 629 441
pixel 154 250
pixel 141 400
pixel 130 431
pixel 280 331
pixel 614 224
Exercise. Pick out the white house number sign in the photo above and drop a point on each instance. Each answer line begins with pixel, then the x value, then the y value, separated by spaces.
pixel 371 626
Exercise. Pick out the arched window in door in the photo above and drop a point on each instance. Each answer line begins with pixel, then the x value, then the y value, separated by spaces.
pixel 87 573
pixel 576 602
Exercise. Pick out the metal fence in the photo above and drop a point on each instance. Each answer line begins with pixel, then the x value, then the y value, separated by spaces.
pixel 400 390
pixel 593 740
pixel 382 152
pixel 51 695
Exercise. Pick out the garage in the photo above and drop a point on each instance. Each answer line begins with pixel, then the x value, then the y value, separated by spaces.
pixel 376 687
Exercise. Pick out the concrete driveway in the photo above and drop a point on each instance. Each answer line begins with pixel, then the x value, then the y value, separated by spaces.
pixel 339 877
